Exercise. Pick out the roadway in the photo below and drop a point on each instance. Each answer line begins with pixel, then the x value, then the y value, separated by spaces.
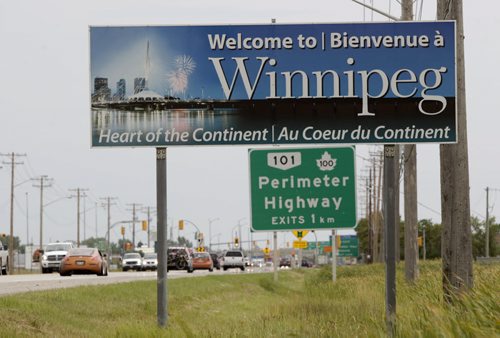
pixel 12 284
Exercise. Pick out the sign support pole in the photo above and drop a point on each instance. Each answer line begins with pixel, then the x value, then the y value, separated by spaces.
pixel 334 256
pixel 275 255
pixel 161 204
pixel 389 237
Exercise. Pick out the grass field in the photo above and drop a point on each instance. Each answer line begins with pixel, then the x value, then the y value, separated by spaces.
pixel 303 303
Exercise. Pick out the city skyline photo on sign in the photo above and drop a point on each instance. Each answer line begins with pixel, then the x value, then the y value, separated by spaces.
pixel 273 84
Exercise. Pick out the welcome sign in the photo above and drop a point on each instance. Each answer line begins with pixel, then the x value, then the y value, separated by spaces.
pixel 273 84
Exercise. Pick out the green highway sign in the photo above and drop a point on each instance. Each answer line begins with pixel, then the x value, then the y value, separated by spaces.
pixel 302 189
pixel 349 246
pixel 321 245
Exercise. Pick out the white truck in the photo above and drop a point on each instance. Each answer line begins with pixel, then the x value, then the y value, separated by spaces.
pixel 4 260
pixel 53 255
pixel 233 259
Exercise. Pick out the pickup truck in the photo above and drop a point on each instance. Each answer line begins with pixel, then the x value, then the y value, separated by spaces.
pixel 53 255
pixel 4 260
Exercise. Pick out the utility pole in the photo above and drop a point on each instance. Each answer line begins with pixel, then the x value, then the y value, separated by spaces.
pixel 456 247
pixel 134 205
pixel 79 192
pixel 96 220
pixel 45 182
pixel 27 224
pixel 12 163
pixel 410 188
pixel 108 206
pixel 487 225
pixel 370 219
pixel 84 216
pixel 148 212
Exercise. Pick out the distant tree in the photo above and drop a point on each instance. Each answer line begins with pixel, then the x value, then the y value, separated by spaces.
pixel 99 243
pixel 479 237
pixel 362 233
pixel 432 238
pixel 182 241
pixel 5 241
pixel 494 239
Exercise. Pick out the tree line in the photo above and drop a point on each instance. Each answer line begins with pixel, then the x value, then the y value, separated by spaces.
pixel 433 238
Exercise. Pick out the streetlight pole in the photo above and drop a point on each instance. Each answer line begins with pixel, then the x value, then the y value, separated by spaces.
pixel 316 248
pixel 240 237
pixel 210 232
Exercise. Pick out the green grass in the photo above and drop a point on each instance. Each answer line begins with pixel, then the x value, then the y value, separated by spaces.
pixel 303 303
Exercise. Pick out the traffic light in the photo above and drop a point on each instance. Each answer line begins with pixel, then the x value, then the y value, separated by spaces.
pixel 122 231
pixel 144 225
pixel 236 241
pixel 181 224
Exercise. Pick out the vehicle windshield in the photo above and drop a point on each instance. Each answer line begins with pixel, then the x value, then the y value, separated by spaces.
pixel 201 255
pixel 58 247
pixel 234 254
pixel 150 256
pixel 131 255
pixel 81 252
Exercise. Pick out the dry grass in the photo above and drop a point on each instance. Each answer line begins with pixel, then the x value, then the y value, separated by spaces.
pixel 304 303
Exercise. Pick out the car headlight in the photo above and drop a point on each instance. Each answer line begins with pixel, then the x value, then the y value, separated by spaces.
pixel 44 257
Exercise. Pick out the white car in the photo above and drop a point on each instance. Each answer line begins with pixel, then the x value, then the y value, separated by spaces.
pixel 150 262
pixel 53 255
pixel 132 261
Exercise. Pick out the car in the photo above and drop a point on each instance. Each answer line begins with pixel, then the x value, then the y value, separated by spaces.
pixel 84 261
pixel 258 262
pixel 53 255
pixel 150 261
pixel 216 261
pixel 233 259
pixel 307 263
pixel 179 258
pixel 132 261
pixel 285 262
pixel 202 261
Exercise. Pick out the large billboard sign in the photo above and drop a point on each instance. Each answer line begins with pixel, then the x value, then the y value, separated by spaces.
pixel 302 189
pixel 273 84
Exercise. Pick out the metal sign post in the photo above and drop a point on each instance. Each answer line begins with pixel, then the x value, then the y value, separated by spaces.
pixel 161 203
pixel 389 237
pixel 275 255
pixel 334 256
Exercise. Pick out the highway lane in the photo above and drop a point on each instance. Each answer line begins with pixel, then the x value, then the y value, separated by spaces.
pixel 12 284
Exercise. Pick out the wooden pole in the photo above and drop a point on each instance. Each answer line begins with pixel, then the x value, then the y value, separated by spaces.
pixel 456 239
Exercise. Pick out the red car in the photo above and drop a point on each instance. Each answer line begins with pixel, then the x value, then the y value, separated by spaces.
pixel 202 260
pixel 84 261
